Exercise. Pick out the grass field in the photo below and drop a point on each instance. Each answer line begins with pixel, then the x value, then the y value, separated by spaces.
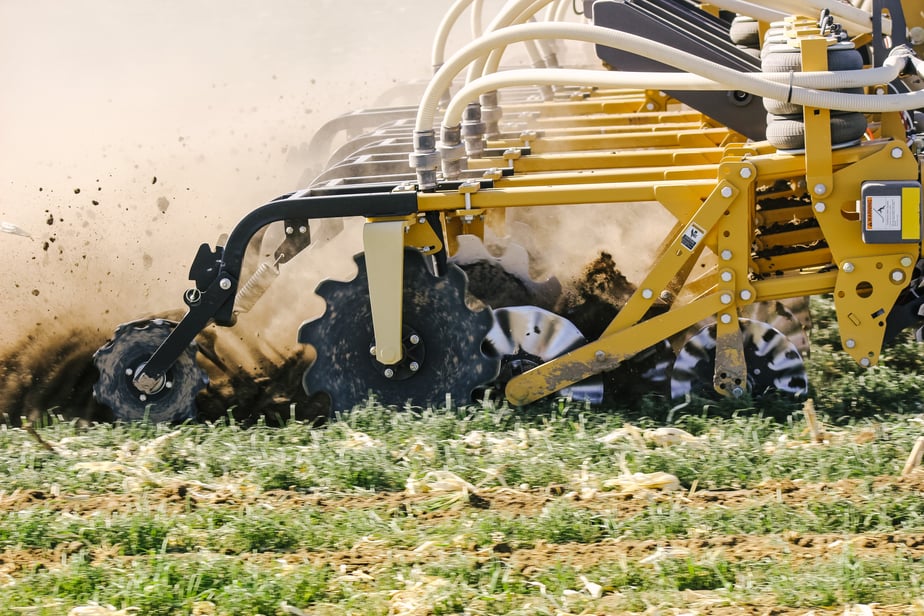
pixel 711 508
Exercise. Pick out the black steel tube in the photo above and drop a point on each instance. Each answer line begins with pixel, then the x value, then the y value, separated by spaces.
pixel 217 301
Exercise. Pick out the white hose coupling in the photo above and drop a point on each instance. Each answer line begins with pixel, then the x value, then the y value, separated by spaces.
pixel 452 152
pixel 490 113
pixel 425 159
pixel 473 130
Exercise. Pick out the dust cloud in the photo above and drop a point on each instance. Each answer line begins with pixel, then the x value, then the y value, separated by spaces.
pixel 132 131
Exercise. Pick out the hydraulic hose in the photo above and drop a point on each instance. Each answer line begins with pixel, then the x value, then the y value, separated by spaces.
pixel 477 7
pixel 514 12
pixel 546 49
pixel 855 20
pixel 673 81
pixel 449 20
pixel 561 10
pixel 757 83
pixel 551 9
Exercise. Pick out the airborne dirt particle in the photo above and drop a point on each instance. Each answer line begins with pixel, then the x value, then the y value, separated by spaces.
pixel 121 126
pixel 53 371
pixel 594 298
pixel 496 287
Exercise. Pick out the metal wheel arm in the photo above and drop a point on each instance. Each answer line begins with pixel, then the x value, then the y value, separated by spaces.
pixel 217 272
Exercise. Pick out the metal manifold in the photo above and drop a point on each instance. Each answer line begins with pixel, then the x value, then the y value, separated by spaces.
pixel 786 148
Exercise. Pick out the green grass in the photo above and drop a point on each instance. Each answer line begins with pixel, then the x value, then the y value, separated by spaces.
pixel 219 519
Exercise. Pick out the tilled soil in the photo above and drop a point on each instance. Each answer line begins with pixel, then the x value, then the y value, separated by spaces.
pixel 522 558
pixel 51 369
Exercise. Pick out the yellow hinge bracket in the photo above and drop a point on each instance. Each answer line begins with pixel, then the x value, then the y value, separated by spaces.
pixel 818 156
pixel 468 221
pixel 864 292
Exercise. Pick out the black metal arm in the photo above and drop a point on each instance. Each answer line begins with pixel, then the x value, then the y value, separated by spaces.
pixel 217 281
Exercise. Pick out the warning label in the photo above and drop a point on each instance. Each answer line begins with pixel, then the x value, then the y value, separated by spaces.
pixel 691 237
pixel 883 213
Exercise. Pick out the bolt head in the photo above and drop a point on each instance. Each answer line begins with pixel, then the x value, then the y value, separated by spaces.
pixel 650 106
pixel 414 339
pixel 726 276
pixel 599 355
pixel 850 343
pixel 169 384
pixel 389 373
pixel 726 191
pixel 647 293
pixel 897 275
pixel 414 366
pixel 896 153
pixel 745 294
pixel 143 398
pixel 726 298
pixel 745 172
pixel 820 207
pixel 290 230
pixel 906 261
pixel 726 255
pixel 820 189
pixel 848 267
pixel 864 361
pixel 737 392
pixel 129 372
pixel 725 318
pixel 225 284
pixel 372 350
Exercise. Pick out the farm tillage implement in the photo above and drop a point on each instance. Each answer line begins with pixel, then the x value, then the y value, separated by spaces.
pixel 785 147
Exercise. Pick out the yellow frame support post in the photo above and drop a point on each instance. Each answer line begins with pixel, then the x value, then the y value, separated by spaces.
pixel 626 335
pixel 733 236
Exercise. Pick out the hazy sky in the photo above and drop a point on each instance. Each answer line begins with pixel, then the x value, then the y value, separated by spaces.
pixel 211 98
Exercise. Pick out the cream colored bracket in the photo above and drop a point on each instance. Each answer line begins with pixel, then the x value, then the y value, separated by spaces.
pixel 383 243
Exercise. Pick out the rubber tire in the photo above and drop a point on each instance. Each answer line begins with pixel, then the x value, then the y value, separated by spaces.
pixel 744 32
pixel 782 108
pixel 839 59
pixel 788 133
pixel 132 345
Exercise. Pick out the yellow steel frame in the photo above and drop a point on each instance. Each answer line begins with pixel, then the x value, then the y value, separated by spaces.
pixel 709 182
